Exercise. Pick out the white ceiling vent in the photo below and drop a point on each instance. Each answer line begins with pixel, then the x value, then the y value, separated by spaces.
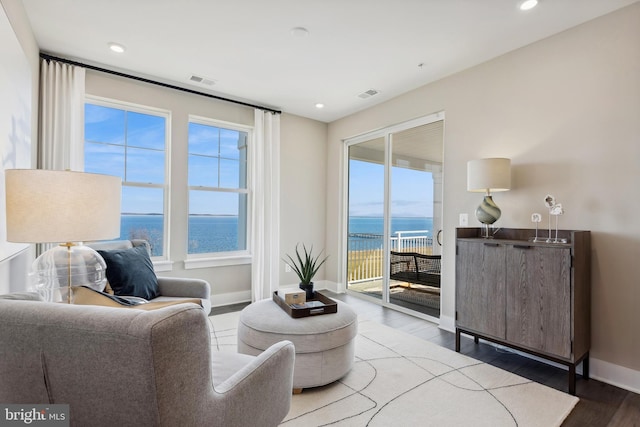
pixel 202 80
pixel 368 94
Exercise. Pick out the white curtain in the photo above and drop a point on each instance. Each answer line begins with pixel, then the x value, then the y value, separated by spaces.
pixel 265 205
pixel 61 135
pixel 61 126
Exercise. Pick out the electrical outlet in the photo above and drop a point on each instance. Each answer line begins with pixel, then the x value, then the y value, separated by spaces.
pixel 464 220
pixel 287 268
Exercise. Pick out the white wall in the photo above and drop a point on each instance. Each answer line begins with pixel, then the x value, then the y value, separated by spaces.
pixel 566 111
pixel 14 270
pixel 303 186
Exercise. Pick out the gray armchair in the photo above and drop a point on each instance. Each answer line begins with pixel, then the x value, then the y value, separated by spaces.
pixel 171 288
pixel 117 367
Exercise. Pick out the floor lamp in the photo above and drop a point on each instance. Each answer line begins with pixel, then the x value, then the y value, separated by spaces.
pixel 487 175
pixel 47 206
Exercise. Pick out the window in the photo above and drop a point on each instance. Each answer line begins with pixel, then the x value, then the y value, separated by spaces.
pixel 218 190
pixel 131 142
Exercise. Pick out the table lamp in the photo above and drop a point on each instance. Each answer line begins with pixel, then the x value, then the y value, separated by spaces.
pixel 485 176
pixel 49 206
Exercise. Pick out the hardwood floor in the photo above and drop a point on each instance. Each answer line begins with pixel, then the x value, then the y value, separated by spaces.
pixel 601 404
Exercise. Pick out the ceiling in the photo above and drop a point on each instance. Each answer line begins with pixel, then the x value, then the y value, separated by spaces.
pixel 246 47
pixel 412 148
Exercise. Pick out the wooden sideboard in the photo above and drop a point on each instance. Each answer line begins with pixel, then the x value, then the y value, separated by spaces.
pixel 531 296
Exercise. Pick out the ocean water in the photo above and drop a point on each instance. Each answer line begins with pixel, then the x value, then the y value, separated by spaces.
pixel 375 225
pixel 214 234
pixel 366 233
pixel 206 233
pixel 147 227
pixel 220 233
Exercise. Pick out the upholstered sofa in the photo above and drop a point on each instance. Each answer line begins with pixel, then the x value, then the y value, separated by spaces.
pixel 128 367
pixel 171 288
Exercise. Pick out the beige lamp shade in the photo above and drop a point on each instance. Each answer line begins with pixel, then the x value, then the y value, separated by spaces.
pixel 489 175
pixel 47 206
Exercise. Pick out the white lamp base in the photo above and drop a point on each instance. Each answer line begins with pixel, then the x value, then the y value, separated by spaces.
pixel 67 265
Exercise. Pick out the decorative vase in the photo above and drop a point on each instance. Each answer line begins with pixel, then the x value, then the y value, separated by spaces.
pixel 308 289
pixel 488 212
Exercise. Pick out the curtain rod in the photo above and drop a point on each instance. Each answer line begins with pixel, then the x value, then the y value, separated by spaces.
pixel 154 82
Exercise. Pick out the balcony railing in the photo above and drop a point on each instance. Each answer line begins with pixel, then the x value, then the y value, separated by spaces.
pixel 365 251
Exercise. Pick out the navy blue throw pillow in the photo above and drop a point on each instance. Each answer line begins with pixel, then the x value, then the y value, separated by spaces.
pixel 130 272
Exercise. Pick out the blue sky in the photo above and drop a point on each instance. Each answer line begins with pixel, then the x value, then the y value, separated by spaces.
pixel 214 159
pixel 411 191
pixel 145 137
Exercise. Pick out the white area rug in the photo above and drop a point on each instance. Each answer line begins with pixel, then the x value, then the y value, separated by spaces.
pixel 400 380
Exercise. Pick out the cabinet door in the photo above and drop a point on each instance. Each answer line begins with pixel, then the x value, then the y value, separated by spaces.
pixel 480 287
pixel 539 298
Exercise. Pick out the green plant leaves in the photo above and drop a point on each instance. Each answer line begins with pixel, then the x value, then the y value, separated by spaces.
pixel 305 265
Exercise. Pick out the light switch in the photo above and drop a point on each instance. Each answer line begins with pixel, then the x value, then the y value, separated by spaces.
pixel 464 220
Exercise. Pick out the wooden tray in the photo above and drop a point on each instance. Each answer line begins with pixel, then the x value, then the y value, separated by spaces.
pixel 330 306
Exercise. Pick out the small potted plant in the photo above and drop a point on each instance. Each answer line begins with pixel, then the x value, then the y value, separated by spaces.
pixel 306 267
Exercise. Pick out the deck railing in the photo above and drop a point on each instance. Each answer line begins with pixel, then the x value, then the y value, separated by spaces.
pixel 365 251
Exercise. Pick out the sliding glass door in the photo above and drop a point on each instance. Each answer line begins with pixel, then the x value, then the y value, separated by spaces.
pixel 394 215
pixel 366 225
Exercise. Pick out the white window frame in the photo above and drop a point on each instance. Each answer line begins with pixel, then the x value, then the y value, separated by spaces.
pixel 228 258
pixel 162 262
pixel 343 242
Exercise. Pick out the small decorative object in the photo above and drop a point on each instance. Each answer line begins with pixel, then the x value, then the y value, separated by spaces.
pixel 555 209
pixel 536 218
pixel 294 297
pixel 549 202
pixel 306 267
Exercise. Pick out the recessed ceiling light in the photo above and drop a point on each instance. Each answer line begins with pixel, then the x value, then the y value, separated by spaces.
pixel 319 105
pixel 299 32
pixel 528 4
pixel 116 47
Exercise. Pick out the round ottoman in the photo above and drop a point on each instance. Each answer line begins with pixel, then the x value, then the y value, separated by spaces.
pixel 324 343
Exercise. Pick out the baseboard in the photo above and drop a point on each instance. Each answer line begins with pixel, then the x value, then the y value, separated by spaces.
pixel 328 285
pixel 447 323
pixel 319 285
pixel 600 370
pixel 219 300
pixel 616 375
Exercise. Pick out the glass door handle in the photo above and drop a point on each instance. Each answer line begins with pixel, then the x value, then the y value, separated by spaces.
pixel 438 237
